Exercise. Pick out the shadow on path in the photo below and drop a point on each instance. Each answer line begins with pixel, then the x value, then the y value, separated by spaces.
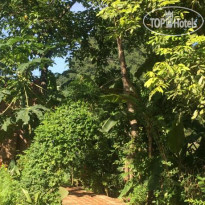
pixel 78 196
pixel 79 192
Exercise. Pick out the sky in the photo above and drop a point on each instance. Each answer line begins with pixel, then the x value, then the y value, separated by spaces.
pixel 60 66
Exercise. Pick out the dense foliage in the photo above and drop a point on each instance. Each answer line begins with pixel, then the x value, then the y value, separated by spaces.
pixel 10 190
pixel 126 119
pixel 70 148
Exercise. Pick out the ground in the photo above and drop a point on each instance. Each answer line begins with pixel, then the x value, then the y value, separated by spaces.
pixel 78 196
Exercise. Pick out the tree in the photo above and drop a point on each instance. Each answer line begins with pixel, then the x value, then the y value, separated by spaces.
pixel 32 34
pixel 125 16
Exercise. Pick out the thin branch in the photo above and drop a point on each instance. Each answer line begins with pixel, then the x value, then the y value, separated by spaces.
pixel 27 103
pixel 8 107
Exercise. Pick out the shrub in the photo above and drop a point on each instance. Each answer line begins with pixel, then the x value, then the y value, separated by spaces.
pixel 9 188
pixel 68 145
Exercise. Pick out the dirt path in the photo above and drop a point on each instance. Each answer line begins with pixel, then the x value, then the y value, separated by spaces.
pixel 78 196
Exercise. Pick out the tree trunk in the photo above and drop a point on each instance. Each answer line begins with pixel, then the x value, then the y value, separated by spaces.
pixel 128 89
pixel 150 197
pixel 11 146
pixel 8 149
pixel 44 74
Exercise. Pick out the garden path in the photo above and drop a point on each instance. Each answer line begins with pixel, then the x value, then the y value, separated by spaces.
pixel 78 196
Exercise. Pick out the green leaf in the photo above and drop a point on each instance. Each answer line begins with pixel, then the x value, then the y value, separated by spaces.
pixel 176 137
pixel 6 124
pixel 12 41
pixel 38 110
pixel 25 66
pixel 35 62
pixel 36 197
pixel 1 97
pixel 109 124
pixel 126 189
pixel 23 115
pixel 196 112
pixel 28 198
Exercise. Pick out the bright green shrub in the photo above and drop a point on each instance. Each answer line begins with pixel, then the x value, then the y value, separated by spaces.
pixel 9 188
pixel 135 193
pixel 195 202
pixel 139 195
pixel 69 145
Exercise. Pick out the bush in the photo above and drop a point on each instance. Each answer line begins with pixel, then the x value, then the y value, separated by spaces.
pixel 10 191
pixel 69 145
